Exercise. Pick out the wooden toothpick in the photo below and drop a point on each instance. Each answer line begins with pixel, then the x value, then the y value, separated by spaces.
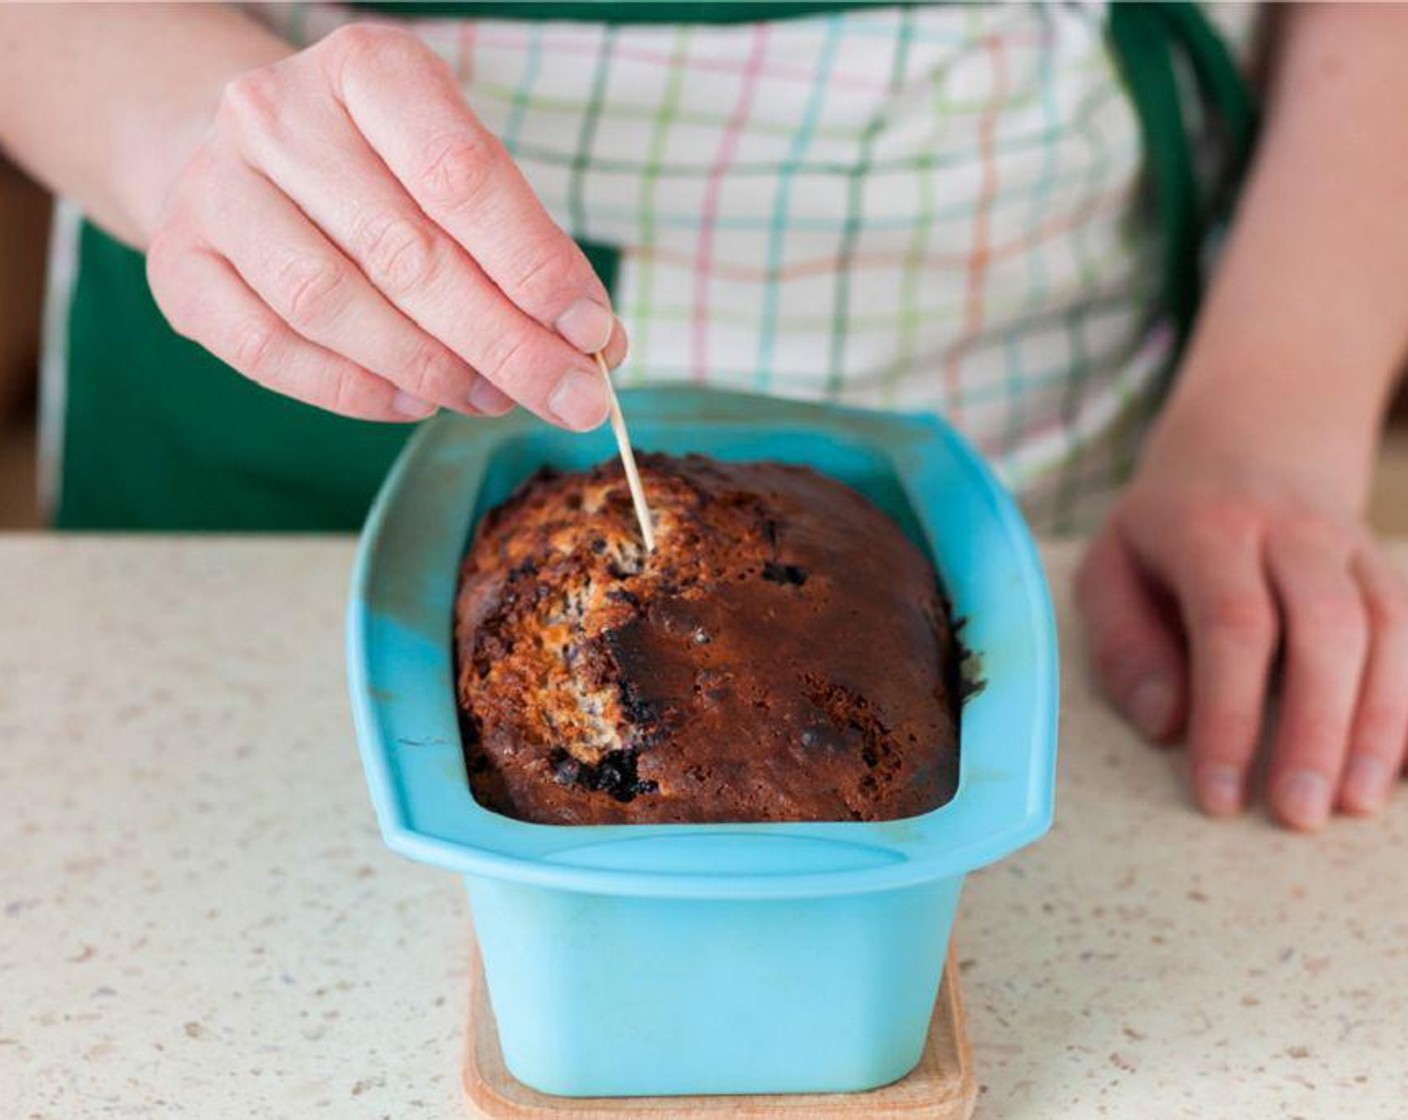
pixel 628 458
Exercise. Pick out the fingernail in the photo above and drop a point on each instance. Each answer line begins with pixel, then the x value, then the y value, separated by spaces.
pixel 579 400
pixel 1151 706
pixel 617 354
pixel 485 396
pixel 1302 798
pixel 1220 790
pixel 412 406
pixel 1366 784
pixel 586 325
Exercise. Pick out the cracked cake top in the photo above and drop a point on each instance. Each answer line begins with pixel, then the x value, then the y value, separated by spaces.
pixel 784 654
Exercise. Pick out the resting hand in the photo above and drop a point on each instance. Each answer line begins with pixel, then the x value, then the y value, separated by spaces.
pixel 1216 559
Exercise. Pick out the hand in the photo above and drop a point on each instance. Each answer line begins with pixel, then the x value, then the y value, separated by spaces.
pixel 349 234
pixel 1216 558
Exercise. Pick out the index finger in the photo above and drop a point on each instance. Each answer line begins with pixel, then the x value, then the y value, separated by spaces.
pixel 462 177
pixel 1230 618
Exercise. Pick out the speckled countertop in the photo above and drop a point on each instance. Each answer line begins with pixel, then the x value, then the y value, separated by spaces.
pixel 197 916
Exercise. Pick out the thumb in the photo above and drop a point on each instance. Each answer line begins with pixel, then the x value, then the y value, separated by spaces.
pixel 1136 648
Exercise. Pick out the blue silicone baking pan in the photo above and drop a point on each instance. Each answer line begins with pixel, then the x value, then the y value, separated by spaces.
pixel 627 960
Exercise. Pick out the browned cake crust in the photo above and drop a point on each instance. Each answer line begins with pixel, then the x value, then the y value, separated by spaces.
pixel 785 654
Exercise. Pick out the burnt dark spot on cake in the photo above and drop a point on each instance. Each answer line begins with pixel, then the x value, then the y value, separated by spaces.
pixel 580 660
pixel 636 709
pixel 653 678
pixel 792 574
pixel 741 500
pixel 615 775
pixel 475 760
pixel 857 722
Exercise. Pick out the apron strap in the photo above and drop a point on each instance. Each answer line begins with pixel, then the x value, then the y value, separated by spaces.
pixel 1148 40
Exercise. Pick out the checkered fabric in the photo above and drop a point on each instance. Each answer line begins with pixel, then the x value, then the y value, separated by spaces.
pixel 931 208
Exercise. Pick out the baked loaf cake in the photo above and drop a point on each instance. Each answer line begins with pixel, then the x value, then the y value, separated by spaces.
pixel 784 654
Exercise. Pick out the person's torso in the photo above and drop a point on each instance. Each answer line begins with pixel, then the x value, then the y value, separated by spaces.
pixel 927 207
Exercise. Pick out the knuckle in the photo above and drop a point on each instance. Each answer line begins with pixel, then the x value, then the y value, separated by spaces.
pixel 250 101
pixel 352 40
pixel 251 345
pixel 546 279
pixel 365 42
pixel 398 252
pixel 509 363
pixel 426 373
pixel 1219 526
pixel 457 170
pixel 1228 520
pixel 1242 616
pixel 352 395
pixel 312 288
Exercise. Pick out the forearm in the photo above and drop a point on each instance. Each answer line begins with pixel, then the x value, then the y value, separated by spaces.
pixel 104 103
pixel 1306 324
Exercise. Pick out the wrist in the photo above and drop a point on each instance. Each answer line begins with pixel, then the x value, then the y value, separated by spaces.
pixel 160 134
pixel 166 147
pixel 1237 441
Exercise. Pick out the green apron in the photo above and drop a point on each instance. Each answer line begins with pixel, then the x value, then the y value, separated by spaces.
pixel 158 434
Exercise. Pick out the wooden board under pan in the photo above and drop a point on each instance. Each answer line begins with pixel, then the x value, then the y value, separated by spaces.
pixel 941 1087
